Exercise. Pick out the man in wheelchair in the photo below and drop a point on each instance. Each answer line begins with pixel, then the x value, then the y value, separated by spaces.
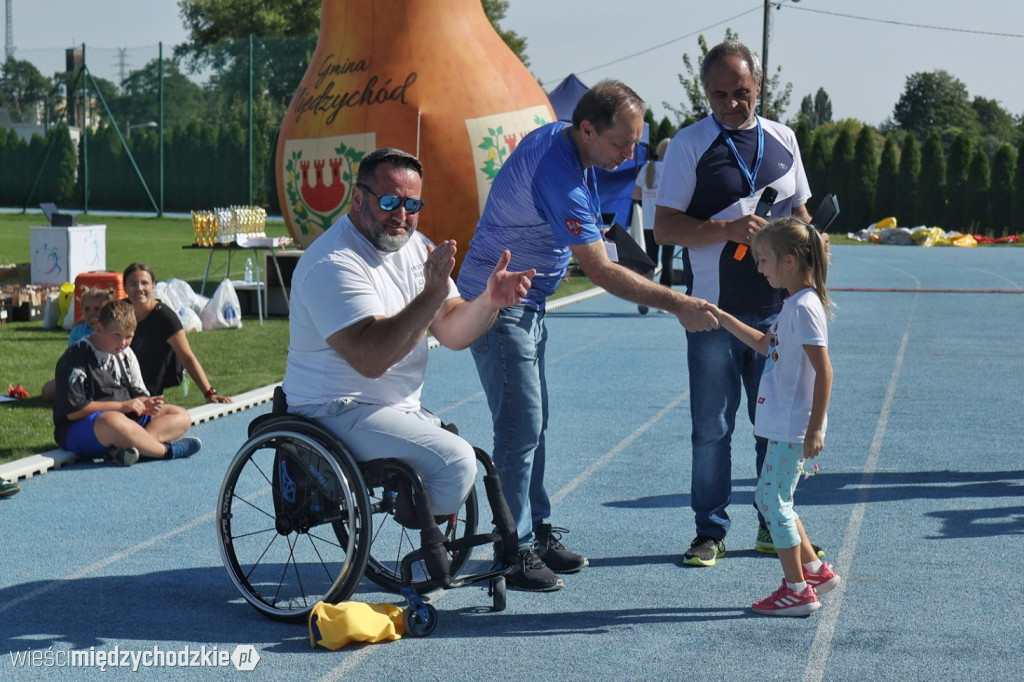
pixel 363 297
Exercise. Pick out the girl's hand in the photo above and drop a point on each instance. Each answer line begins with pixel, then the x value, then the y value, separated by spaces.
pixel 814 443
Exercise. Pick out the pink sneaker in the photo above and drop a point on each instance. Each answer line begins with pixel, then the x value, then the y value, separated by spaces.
pixel 786 602
pixel 824 581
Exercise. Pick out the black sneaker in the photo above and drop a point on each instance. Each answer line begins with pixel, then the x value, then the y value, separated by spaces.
pixel 532 575
pixel 123 456
pixel 704 551
pixel 7 488
pixel 552 553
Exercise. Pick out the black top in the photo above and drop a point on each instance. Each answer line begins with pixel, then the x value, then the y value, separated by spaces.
pixel 151 348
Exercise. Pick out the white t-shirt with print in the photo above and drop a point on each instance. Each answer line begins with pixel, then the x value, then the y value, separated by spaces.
pixel 787 383
pixel 339 280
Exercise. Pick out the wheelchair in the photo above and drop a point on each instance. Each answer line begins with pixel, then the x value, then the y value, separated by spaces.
pixel 299 520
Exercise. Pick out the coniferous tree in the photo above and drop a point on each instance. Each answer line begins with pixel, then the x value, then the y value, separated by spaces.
pixel 958 182
pixel 863 179
pixel 909 177
pixel 978 195
pixel 839 178
pixel 817 162
pixel 1018 192
pixel 887 187
pixel 931 195
pixel 1001 196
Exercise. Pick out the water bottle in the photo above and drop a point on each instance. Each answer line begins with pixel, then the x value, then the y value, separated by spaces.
pixel 248 271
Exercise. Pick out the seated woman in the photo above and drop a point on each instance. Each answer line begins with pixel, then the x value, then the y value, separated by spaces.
pixel 160 338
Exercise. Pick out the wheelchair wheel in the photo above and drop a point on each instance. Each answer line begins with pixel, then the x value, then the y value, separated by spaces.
pixel 392 541
pixel 420 622
pixel 293 521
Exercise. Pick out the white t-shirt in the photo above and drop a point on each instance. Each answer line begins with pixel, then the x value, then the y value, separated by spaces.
pixel 787 383
pixel 648 194
pixel 339 280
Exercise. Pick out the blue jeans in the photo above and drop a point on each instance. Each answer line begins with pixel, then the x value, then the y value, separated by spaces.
pixel 510 361
pixel 719 365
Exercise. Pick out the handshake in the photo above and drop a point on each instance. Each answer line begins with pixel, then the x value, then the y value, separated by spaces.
pixel 695 314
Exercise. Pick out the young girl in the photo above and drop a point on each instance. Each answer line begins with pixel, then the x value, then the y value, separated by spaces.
pixel 792 402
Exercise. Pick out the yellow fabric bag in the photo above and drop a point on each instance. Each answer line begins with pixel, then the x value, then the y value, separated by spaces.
pixel 332 626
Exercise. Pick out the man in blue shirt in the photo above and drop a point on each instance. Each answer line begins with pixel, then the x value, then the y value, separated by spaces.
pixel 544 208
pixel 713 175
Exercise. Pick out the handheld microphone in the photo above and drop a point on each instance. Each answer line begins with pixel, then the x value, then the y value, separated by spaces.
pixel 768 195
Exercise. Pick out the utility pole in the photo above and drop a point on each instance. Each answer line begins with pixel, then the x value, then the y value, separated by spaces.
pixel 765 32
pixel 9 45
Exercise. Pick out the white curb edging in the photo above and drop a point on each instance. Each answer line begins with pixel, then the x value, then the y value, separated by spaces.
pixel 27 467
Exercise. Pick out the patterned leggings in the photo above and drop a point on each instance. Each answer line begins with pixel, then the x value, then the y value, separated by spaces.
pixel 783 464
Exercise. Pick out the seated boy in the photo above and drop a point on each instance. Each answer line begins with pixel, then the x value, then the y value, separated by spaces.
pixel 102 408
pixel 93 300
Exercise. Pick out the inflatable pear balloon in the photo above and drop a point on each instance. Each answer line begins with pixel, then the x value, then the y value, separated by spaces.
pixel 431 77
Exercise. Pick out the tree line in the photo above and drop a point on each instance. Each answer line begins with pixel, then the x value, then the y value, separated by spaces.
pixel 943 158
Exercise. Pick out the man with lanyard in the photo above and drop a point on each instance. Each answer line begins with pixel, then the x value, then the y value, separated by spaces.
pixel 544 208
pixel 713 175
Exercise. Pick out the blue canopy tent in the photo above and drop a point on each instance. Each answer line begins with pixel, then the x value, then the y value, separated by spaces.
pixel 615 188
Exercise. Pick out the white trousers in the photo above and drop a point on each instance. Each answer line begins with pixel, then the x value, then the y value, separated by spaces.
pixel 445 461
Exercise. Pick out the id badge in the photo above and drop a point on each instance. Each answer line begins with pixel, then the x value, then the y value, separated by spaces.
pixel 613 251
pixel 748 204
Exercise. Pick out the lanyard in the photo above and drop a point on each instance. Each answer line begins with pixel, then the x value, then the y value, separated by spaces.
pixel 750 176
pixel 591 181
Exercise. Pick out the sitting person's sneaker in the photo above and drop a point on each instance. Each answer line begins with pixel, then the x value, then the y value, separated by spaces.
pixel 7 488
pixel 183 447
pixel 824 581
pixel 553 554
pixel 123 456
pixel 765 544
pixel 786 602
pixel 704 551
pixel 532 575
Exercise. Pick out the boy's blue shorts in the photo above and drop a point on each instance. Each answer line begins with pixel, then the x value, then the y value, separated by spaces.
pixel 81 438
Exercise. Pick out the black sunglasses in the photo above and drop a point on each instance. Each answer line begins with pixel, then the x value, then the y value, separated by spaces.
pixel 390 202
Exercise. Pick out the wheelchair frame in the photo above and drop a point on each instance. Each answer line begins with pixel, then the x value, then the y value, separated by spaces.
pixel 299 520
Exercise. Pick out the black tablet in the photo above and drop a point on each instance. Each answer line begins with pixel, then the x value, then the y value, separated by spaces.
pixel 826 214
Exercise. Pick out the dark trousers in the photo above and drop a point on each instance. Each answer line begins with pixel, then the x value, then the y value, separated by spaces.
pixel 667 253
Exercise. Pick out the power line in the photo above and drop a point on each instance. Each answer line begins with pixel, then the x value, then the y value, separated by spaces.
pixel 791 7
pixel 904 23
pixel 660 45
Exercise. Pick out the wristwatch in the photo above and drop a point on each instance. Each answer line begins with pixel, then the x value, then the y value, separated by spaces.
pixel 210 393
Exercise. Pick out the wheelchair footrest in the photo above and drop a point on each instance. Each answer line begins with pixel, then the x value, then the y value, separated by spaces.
pixel 493 572
pixel 470 541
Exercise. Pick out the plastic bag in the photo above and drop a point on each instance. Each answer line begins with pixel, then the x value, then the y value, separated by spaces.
pixel 223 311
pixel 177 295
pixel 66 298
pixel 332 626
pixel 52 317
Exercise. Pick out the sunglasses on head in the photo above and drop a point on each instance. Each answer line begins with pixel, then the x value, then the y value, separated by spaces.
pixel 390 202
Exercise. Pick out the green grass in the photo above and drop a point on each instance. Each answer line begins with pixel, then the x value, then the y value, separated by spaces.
pixel 235 360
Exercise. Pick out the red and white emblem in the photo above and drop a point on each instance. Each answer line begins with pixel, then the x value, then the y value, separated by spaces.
pixel 574 226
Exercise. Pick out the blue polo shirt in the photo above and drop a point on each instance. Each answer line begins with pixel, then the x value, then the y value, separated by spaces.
pixel 542 201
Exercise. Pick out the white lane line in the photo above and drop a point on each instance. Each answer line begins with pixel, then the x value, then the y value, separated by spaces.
pixel 821 647
pixel 103 563
pixel 623 444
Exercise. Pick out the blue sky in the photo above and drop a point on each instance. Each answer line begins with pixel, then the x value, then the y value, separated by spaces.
pixel 863 64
